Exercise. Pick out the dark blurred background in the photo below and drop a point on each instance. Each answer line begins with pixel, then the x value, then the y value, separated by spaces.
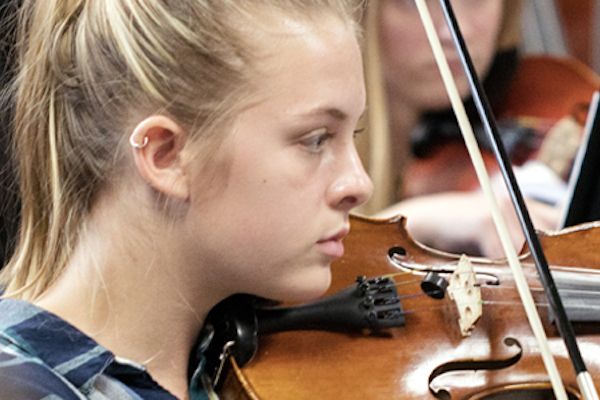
pixel 8 189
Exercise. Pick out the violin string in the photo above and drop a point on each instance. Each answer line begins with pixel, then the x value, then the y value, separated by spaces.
pixel 446 305
pixel 539 289
pixel 528 268
pixel 511 303
pixel 446 269
pixel 423 309
pixel 515 303
pixel 536 290
pixel 404 283
pixel 395 274
pixel 412 296
pixel 494 286
pixel 538 293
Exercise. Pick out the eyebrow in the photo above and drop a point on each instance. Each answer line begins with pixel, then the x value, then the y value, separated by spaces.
pixel 336 113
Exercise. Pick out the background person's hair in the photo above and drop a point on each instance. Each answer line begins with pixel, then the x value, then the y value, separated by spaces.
pixel 85 68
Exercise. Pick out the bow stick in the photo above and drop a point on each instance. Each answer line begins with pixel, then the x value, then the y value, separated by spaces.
pixel 564 327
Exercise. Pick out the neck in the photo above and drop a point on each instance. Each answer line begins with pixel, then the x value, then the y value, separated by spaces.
pixel 131 297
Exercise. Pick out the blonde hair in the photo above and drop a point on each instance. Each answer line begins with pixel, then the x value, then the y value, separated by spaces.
pixel 375 145
pixel 85 68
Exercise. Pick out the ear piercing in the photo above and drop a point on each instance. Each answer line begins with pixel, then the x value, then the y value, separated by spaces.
pixel 136 144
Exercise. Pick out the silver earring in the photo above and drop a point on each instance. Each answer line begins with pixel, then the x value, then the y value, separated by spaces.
pixel 135 144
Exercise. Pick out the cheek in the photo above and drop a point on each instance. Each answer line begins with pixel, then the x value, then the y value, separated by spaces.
pixel 269 248
pixel 268 201
pixel 484 40
pixel 261 228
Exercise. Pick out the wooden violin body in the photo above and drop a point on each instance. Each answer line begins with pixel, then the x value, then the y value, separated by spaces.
pixel 427 358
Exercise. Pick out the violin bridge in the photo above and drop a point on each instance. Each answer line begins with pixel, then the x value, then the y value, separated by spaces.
pixel 466 295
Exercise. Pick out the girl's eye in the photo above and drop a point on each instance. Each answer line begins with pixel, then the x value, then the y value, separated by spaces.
pixel 316 142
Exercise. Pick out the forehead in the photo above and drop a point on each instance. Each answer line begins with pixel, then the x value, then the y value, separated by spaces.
pixel 312 63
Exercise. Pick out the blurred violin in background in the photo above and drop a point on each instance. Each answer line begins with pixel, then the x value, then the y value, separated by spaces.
pixel 541 118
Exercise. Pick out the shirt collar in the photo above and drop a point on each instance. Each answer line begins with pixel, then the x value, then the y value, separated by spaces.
pixel 75 355
pixel 57 343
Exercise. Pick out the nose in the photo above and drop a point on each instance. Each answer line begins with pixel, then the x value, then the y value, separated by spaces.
pixel 352 187
pixel 464 17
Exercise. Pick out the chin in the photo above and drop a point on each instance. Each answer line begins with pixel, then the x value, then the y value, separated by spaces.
pixel 304 288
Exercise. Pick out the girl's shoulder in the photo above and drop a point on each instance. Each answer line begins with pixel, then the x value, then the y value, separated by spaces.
pixel 23 372
pixel 24 377
pixel 43 356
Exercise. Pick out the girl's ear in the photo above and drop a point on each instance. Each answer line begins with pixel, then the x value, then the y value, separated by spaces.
pixel 156 144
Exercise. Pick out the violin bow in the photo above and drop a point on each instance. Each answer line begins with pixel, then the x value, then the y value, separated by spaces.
pixel 565 329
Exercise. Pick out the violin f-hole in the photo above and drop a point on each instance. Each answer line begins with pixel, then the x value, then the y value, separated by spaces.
pixel 441 392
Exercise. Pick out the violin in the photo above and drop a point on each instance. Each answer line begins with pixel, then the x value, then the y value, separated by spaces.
pixel 432 355
pixel 543 115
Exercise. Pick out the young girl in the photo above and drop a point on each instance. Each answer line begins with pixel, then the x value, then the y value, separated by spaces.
pixel 172 153
pixel 408 102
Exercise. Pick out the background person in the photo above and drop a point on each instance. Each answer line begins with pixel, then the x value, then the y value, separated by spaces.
pixel 409 111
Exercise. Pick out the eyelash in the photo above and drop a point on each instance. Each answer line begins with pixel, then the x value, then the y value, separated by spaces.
pixel 315 143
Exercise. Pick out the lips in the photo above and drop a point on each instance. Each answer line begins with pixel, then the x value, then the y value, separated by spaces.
pixel 332 246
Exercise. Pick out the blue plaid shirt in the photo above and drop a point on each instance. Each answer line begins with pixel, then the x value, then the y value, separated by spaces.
pixel 44 357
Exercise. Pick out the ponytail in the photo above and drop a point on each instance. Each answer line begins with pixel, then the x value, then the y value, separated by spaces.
pixel 51 208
